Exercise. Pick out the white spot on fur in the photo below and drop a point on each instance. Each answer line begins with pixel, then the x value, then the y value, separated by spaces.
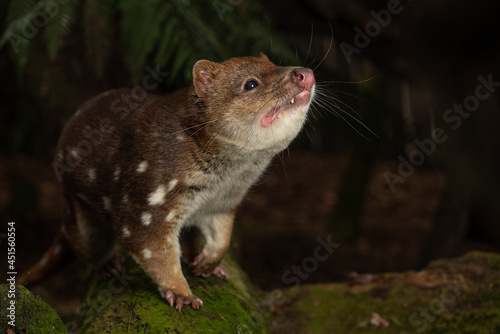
pixel 180 137
pixel 116 174
pixel 141 168
pixel 146 253
pixel 60 156
pixel 169 240
pixel 107 203
pixel 158 196
pixel 170 216
pixel 125 231
pixel 146 218
pixel 172 184
pixel 125 198
pixel 74 153
pixel 91 173
pixel 78 112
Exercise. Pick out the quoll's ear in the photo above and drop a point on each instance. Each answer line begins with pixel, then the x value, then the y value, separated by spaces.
pixel 263 56
pixel 204 72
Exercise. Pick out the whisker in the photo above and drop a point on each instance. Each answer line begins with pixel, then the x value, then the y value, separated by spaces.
pixel 310 42
pixel 294 42
pixel 349 82
pixel 332 106
pixel 329 48
pixel 343 93
pixel 195 126
pixel 308 134
pixel 334 99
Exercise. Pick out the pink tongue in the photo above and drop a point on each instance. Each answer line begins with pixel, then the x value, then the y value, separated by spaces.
pixel 270 117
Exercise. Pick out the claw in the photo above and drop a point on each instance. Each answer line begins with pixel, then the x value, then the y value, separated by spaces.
pixel 177 301
pixel 200 268
pixel 197 260
pixel 170 297
pixel 221 272
pixel 112 267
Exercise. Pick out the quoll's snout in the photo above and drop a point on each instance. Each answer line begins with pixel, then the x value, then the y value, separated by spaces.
pixel 303 77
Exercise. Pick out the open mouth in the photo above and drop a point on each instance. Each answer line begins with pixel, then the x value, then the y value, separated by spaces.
pixel 297 101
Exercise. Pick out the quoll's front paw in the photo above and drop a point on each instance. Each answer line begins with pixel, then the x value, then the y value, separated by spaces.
pixel 177 300
pixel 200 267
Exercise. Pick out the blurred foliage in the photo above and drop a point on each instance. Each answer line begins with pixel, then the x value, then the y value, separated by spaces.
pixel 172 34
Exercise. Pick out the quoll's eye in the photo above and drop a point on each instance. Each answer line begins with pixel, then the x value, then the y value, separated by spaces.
pixel 251 84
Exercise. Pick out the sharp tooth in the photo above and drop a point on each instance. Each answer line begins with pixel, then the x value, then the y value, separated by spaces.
pixel 293 100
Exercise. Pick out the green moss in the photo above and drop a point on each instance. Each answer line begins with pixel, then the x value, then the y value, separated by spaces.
pixel 480 312
pixel 334 309
pixel 492 259
pixel 228 306
pixel 32 314
pixel 432 301
pixel 339 308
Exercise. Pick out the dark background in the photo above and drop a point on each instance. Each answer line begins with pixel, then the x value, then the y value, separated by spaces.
pixel 423 59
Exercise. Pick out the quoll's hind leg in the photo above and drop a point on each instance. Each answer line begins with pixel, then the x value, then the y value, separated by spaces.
pixel 91 235
pixel 57 257
pixel 155 247
pixel 191 241
pixel 112 266
pixel 217 231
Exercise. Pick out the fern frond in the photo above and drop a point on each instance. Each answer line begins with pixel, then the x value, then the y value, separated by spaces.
pixel 201 33
pixel 183 60
pixel 185 38
pixel 59 26
pixel 20 31
pixel 19 8
pixel 170 37
pixel 97 22
pixel 141 24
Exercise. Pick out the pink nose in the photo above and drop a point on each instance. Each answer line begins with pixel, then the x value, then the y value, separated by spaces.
pixel 303 77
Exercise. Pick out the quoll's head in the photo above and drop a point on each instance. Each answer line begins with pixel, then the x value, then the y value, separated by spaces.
pixel 253 102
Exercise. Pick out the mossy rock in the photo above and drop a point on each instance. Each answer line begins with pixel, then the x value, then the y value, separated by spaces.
pixel 132 304
pixel 450 296
pixel 32 314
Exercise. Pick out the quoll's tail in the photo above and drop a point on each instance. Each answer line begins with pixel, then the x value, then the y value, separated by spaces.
pixel 56 258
